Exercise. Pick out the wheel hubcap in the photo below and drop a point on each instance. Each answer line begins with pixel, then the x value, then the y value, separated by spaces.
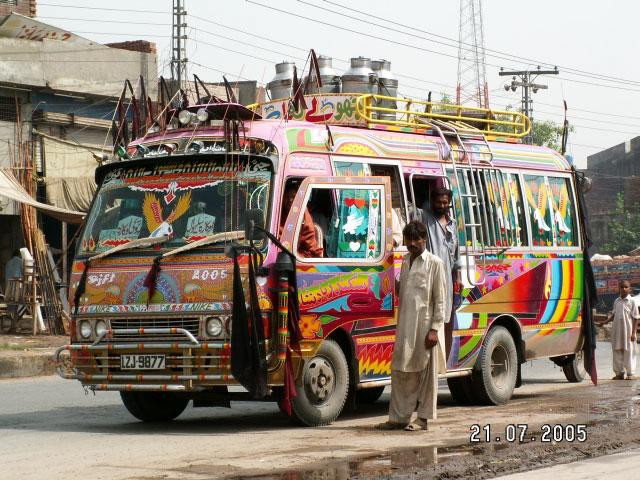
pixel 319 380
pixel 500 366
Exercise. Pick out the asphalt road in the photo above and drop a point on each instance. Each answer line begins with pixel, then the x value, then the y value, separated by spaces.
pixel 49 428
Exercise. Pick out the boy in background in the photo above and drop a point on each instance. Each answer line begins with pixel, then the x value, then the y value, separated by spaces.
pixel 626 315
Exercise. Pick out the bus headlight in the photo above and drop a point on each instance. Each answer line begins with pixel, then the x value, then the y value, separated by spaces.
pixel 101 327
pixel 85 329
pixel 213 326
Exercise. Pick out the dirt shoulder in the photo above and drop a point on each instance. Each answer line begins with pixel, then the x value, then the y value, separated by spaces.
pixel 28 355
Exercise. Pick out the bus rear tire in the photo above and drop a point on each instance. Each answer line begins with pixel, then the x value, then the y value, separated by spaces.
pixel 574 368
pixel 323 388
pixel 154 406
pixel 461 389
pixel 496 368
pixel 369 395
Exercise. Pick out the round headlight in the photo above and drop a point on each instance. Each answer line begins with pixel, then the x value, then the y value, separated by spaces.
pixel 185 117
pixel 202 115
pixel 85 329
pixel 101 327
pixel 214 326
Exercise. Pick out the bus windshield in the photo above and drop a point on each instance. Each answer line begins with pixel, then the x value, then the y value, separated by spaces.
pixel 186 199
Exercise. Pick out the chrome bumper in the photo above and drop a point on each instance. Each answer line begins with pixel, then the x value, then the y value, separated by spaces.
pixel 193 361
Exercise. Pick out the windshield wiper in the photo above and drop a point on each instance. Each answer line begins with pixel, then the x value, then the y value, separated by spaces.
pixel 217 237
pixel 150 279
pixel 138 242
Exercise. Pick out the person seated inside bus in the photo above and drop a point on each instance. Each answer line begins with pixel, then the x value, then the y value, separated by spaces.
pixel 308 245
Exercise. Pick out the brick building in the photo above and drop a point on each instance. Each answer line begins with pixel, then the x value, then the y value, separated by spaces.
pixel 23 7
pixel 614 170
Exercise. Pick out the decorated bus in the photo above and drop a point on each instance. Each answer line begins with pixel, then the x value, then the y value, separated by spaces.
pixel 189 281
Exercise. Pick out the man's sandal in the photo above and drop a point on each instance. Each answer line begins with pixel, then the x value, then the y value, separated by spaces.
pixel 418 425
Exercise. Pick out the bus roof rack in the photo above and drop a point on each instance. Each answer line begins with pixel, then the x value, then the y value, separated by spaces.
pixel 396 113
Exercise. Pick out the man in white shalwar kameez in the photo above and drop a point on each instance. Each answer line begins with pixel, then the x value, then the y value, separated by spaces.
pixel 623 334
pixel 419 331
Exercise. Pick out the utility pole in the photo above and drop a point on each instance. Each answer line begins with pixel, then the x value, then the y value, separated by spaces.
pixel 179 49
pixel 526 82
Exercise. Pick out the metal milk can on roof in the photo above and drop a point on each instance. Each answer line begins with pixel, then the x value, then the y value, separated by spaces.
pixel 360 78
pixel 280 85
pixel 387 86
pixel 330 79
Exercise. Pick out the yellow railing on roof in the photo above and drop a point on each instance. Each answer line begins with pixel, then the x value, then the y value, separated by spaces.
pixel 384 110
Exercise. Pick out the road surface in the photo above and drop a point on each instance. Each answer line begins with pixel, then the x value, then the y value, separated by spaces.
pixel 49 428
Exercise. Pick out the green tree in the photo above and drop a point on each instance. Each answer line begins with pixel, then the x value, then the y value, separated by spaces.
pixel 624 228
pixel 547 134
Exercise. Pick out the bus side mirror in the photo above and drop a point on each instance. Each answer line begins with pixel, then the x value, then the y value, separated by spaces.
pixel 254 224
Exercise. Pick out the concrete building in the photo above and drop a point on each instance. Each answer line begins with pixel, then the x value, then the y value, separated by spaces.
pixel 614 170
pixel 58 91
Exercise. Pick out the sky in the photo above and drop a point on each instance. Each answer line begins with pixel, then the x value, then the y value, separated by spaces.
pixel 593 44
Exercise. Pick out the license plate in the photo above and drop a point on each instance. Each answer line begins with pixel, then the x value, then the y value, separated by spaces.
pixel 141 362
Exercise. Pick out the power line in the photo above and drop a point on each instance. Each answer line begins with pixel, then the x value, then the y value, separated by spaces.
pixel 510 55
pixel 101 8
pixel 587 146
pixel 219 71
pixel 125 34
pixel 339 27
pixel 576 117
pixel 341 60
pixel 106 21
pixel 292 46
pixel 278 52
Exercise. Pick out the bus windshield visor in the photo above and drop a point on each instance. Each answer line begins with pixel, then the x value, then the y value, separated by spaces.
pixel 185 199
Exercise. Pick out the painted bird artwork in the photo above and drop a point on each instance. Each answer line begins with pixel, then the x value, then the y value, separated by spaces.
pixel 152 209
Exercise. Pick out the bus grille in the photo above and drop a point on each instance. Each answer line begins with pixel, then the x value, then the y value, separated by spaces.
pixel 190 324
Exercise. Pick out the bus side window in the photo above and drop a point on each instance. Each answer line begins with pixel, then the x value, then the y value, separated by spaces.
pixel 509 224
pixel 355 228
pixel 563 214
pixel 537 196
pixel 399 217
pixel 471 208
pixel 501 225
pixel 457 206
pixel 485 208
pixel 514 199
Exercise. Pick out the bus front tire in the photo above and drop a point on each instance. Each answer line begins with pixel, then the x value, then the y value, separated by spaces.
pixel 154 406
pixel 496 368
pixel 574 368
pixel 323 388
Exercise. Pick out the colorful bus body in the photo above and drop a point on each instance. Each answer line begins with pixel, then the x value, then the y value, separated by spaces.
pixel 520 250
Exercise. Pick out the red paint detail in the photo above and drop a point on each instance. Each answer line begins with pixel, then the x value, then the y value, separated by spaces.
pixel 313 116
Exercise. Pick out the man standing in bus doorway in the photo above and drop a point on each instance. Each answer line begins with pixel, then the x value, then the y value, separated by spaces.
pixel 623 334
pixel 443 242
pixel 421 316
